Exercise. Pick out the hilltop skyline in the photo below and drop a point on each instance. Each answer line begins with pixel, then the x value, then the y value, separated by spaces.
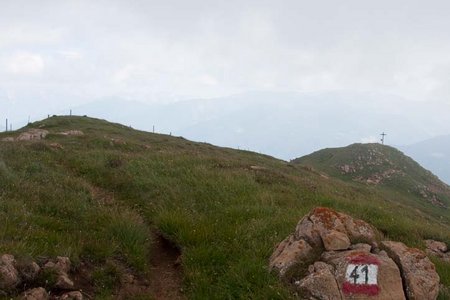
pixel 308 75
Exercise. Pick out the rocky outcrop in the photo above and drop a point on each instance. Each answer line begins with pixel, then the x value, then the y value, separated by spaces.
pixel 72 132
pixel 418 272
pixel 322 229
pixel 25 273
pixel 29 135
pixel 360 273
pixel 306 230
pixel 8 139
pixel 438 249
pixel 358 230
pixel 63 282
pixel 288 255
pixel 335 240
pixel 320 283
pixel 39 134
pixel 32 134
pixel 29 270
pixel 334 256
pixel 9 276
pixel 436 246
pixel 61 266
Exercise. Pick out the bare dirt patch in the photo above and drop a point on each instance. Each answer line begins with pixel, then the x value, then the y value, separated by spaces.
pixel 166 272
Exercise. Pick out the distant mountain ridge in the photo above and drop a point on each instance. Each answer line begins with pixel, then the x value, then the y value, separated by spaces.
pixel 380 165
pixel 281 124
pixel 433 154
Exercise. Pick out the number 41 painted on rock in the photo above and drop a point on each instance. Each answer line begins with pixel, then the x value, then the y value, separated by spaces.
pixel 361 276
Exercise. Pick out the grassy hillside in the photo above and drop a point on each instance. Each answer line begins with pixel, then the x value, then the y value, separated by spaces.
pixel 96 198
pixel 386 169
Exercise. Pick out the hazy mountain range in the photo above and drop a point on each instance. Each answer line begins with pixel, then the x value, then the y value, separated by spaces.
pixel 433 154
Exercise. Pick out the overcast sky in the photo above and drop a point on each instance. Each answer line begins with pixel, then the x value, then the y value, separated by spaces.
pixel 60 54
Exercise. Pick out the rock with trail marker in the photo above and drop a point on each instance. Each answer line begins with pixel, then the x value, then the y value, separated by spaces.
pixel 362 275
pixel 331 255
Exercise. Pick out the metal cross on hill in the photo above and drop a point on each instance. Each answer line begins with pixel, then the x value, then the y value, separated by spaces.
pixel 382 137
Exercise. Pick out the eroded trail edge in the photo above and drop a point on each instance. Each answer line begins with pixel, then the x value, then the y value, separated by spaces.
pixel 166 274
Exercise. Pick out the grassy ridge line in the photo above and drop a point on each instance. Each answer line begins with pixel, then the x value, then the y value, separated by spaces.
pixel 226 215
pixel 401 175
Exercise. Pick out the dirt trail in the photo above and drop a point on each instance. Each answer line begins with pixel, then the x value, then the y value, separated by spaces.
pixel 163 283
pixel 165 274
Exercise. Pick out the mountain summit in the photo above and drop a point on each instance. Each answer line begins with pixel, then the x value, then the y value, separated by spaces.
pixel 380 165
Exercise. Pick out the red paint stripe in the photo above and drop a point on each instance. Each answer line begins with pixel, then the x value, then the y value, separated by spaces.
pixel 364 259
pixel 366 289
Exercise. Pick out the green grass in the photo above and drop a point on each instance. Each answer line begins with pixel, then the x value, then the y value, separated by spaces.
pixel 367 161
pixel 99 197
pixel 443 268
pixel 106 278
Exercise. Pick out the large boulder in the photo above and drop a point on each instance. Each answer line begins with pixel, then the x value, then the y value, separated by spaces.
pixel 331 255
pixel 331 229
pixel 418 272
pixel 305 230
pixel 290 254
pixel 360 275
pixel 324 227
pixel 335 240
pixel 9 276
pixel 358 230
pixel 320 283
